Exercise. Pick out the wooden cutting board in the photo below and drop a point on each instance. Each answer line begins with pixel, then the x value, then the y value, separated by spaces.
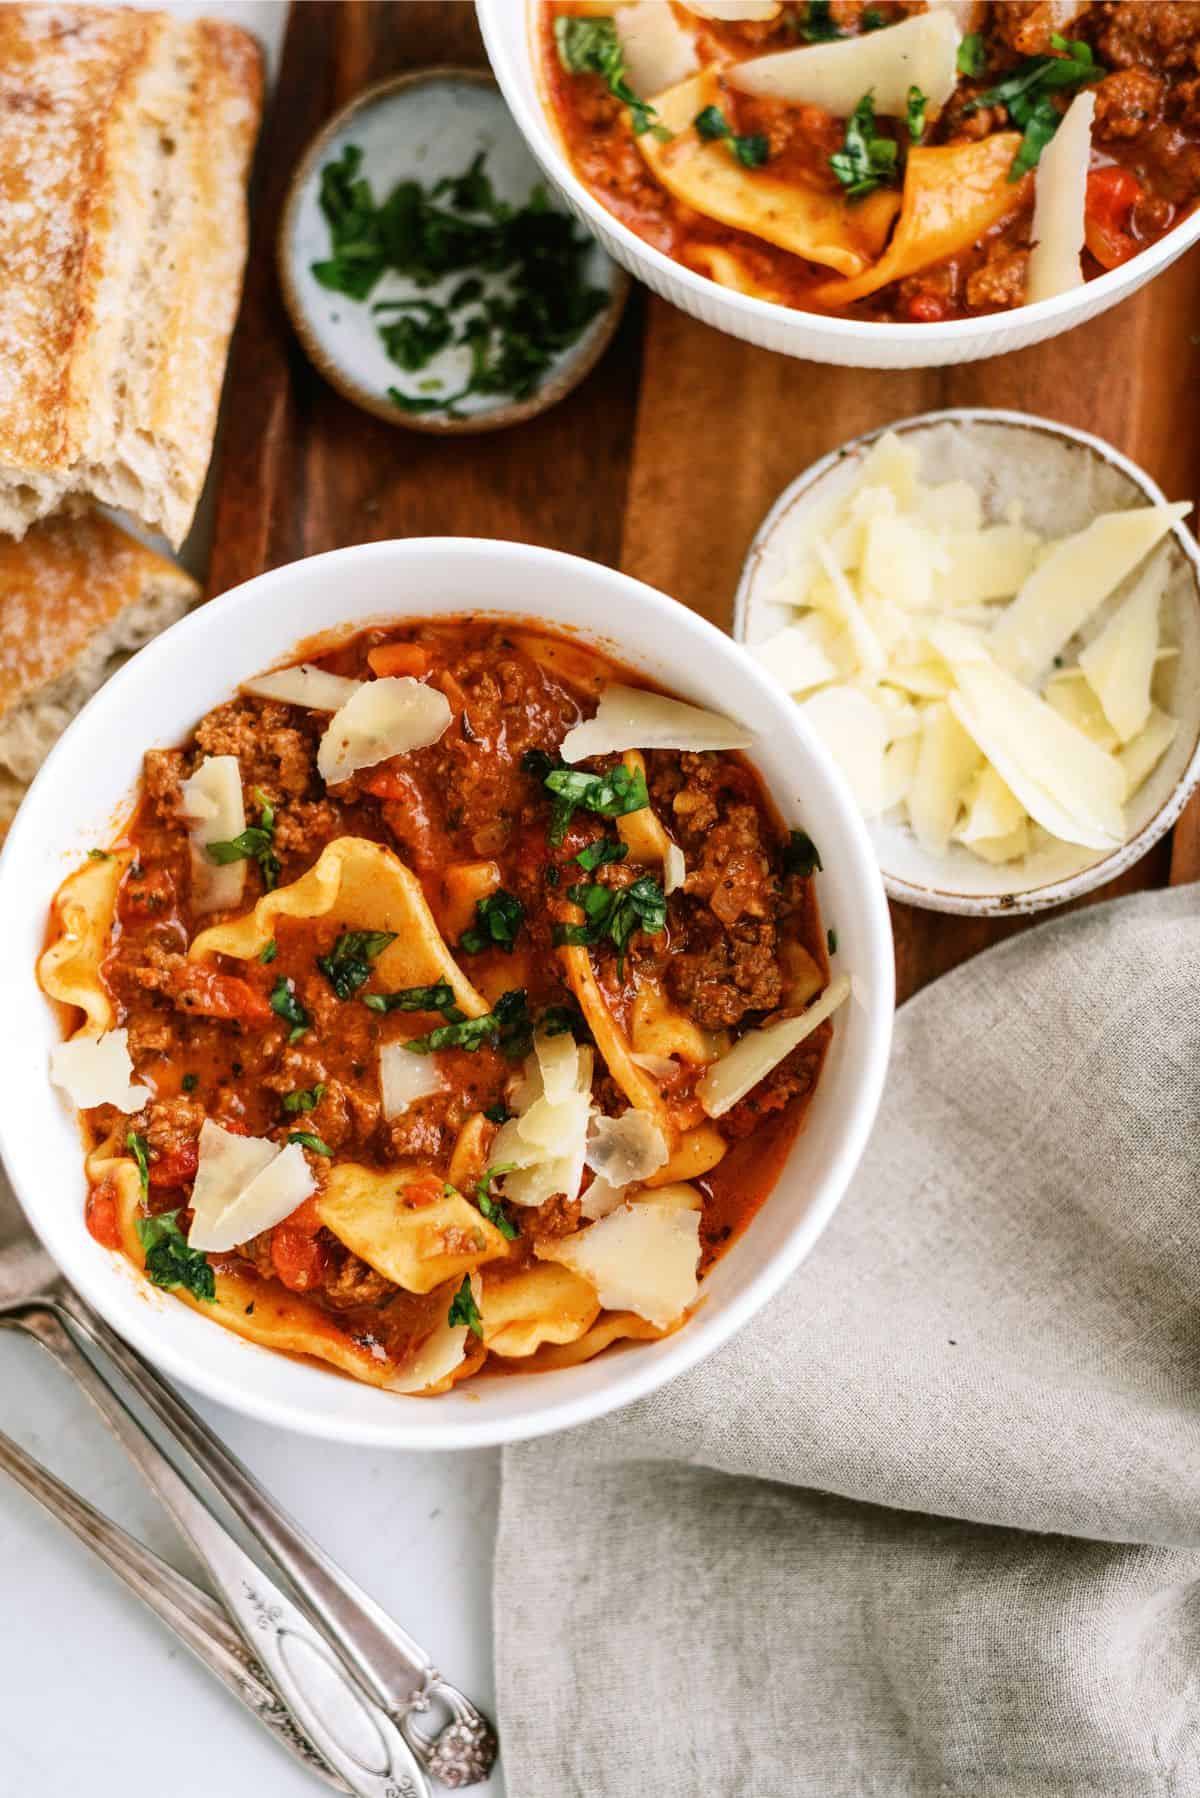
pixel 665 460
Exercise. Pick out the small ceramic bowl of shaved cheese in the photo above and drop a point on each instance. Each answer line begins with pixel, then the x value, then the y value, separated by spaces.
pixel 993 623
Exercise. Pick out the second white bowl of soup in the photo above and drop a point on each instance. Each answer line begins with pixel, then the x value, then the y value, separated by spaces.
pixel 227 1020
pixel 855 203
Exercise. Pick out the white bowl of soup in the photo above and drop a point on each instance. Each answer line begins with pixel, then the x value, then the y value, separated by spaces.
pixel 796 175
pixel 360 969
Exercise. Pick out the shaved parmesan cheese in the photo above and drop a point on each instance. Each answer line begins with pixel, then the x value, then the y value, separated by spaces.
pixel 244 1185
pixel 674 868
pixel 1073 580
pixel 404 1078
pixel 640 1258
pixel 796 658
pixel 920 52
pixel 663 1067
pixel 981 566
pixel 899 767
pixel 304 685
pixel 392 716
pixel 946 759
pixel 546 1142
pixel 866 643
pixel 899 559
pixel 212 799
pixel 1055 261
pixel 934 613
pixel 734 10
pixel 600 1198
pixel 636 718
pixel 97 1070
pixel 1139 759
pixel 627 1148
pixel 752 1058
pixel 993 810
pixel 855 733
pixel 442 1351
pixel 1119 663
pixel 658 52
pixel 1074 700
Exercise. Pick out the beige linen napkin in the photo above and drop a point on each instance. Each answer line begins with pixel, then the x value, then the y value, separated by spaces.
pixel 989 1370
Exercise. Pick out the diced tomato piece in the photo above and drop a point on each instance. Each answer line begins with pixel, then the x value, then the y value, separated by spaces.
pixel 399 658
pixel 928 308
pixel 150 894
pixel 1112 194
pixel 392 783
pixel 305 1217
pixel 101 1215
pixel 425 1189
pixel 177 1167
pixel 201 989
pixel 297 1257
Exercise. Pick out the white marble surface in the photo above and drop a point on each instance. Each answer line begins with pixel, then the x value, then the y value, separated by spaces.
pixel 96 1695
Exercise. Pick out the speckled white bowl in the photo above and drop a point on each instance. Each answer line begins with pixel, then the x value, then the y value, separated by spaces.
pixel 1062 478
pixel 857 343
pixel 88 781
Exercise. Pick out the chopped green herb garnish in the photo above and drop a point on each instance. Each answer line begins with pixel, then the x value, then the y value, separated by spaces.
pixel 464 1310
pixel 615 913
pixel 801 855
pixel 348 964
pixel 831 938
pixel 255 843
pixel 873 19
pixel 306 1099
pixel 866 160
pixel 513 339
pixel 538 763
pixel 1026 91
pixel 712 125
pixel 270 952
pixel 819 26
pixel 604 849
pixel 917 102
pixel 972 55
pixel 99 855
pixel 307 1140
pixel 497 921
pixel 592 47
pixel 498 1113
pixel 610 795
pixel 556 1020
pixel 190 1082
pixel 139 1148
pixel 491 1208
pixel 507 1026
pixel 414 998
pixel 287 1006
pixel 169 1260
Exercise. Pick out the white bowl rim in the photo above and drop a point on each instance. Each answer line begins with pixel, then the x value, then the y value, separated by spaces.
pixel 541 137
pixel 1055 892
pixel 703 1334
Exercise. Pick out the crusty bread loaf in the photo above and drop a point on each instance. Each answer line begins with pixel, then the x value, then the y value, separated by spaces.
pixel 77 596
pixel 125 143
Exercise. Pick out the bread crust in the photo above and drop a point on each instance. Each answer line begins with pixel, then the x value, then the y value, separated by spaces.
pixel 125 145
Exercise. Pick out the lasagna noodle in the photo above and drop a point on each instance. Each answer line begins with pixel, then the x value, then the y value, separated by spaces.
pixel 85 907
pixel 265 1313
pixel 415 1246
pixel 811 222
pixel 609 1327
pixel 366 887
pixel 952 195
pixel 539 1304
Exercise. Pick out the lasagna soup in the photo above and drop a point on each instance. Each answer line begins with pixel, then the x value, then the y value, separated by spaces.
pixel 452 998
pixel 883 159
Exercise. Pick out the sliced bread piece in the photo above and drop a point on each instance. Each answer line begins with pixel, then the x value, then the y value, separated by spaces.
pixel 77 596
pixel 125 144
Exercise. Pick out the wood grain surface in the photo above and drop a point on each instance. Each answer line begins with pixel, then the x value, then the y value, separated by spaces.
pixel 664 461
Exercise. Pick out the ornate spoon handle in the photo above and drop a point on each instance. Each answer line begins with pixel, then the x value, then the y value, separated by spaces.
pixel 357 1738
pixel 198 1623
pixel 382 1656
